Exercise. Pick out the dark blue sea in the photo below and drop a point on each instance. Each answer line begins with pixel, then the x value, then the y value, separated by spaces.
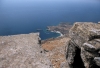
pixel 26 16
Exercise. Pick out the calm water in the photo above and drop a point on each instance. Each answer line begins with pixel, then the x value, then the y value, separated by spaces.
pixel 25 16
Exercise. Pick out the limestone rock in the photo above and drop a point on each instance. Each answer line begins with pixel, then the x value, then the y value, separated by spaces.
pixel 89 47
pixel 22 51
pixel 97 60
pixel 85 41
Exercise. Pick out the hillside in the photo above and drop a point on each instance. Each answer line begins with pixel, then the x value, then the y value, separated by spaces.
pixel 78 48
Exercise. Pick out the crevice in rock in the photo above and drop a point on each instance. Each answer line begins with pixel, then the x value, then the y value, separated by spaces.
pixel 78 63
pixel 95 66
pixel 94 37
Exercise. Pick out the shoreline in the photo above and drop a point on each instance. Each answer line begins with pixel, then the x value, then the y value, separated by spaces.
pixel 58 33
pixel 62 29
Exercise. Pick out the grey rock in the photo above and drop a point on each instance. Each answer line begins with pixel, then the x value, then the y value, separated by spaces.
pixel 64 65
pixel 22 51
pixel 89 47
pixel 97 60
pixel 85 37
pixel 99 52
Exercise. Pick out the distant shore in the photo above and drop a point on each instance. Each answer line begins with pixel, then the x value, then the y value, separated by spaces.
pixel 58 33
pixel 62 29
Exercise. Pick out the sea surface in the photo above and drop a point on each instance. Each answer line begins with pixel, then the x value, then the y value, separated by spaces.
pixel 27 16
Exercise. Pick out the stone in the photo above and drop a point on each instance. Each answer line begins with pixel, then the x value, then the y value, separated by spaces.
pixel 85 37
pixel 22 51
pixel 89 47
pixel 97 60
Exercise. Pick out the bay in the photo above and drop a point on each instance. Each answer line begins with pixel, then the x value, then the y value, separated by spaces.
pixel 26 16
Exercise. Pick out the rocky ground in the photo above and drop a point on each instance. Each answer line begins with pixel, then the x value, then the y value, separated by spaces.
pixel 80 50
pixel 55 47
pixel 22 51
pixel 55 51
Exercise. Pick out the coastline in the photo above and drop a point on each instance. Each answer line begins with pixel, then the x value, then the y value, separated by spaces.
pixel 62 29
pixel 58 33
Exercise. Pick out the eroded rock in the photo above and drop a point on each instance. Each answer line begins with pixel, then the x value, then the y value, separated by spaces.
pixel 97 60
pixel 85 37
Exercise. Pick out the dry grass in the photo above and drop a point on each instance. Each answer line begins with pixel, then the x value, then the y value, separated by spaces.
pixel 56 48
pixel 52 44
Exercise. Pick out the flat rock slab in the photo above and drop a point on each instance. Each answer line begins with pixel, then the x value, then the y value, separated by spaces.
pixel 22 51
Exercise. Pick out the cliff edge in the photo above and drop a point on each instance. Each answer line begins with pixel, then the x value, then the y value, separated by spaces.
pixel 79 49
pixel 22 51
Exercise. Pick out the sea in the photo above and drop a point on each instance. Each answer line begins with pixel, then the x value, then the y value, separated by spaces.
pixel 28 16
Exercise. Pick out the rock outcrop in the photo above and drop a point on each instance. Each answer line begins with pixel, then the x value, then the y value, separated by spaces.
pixel 83 50
pixel 80 50
pixel 22 51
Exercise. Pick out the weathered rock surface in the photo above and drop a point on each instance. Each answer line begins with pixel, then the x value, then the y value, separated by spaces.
pixel 55 51
pixel 81 50
pixel 22 51
pixel 84 45
pixel 97 60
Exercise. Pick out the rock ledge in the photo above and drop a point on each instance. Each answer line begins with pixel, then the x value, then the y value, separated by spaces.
pixel 22 51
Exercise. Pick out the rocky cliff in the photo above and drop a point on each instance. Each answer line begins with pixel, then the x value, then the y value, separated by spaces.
pixel 83 50
pixel 22 51
pixel 80 50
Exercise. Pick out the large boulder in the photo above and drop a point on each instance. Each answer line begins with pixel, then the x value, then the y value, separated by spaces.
pixel 22 51
pixel 85 40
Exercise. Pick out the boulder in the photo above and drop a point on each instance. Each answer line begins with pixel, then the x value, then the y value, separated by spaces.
pixel 97 60
pixel 85 41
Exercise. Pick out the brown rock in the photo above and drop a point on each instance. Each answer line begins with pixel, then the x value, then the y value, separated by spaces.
pixel 55 51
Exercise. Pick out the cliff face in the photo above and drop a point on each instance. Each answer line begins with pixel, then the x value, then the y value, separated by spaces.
pixel 83 50
pixel 22 51
pixel 80 50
